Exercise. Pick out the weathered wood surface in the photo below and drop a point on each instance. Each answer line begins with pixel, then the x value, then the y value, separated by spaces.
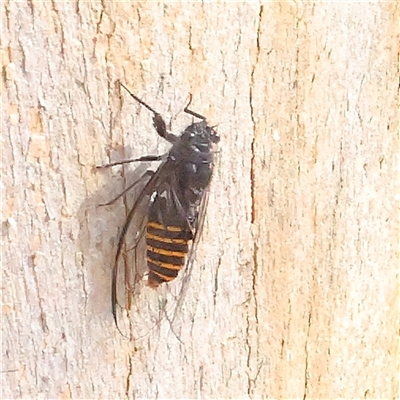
pixel 294 293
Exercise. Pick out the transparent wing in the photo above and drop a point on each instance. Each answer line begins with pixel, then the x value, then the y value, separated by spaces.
pixel 197 229
pixel 130 240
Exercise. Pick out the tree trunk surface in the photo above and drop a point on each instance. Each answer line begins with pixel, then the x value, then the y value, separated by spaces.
pixel 294 287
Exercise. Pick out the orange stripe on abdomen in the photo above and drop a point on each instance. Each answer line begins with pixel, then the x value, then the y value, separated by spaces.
pixel 165 239
pixel 158 226
pixel 167 247
pixel 166 252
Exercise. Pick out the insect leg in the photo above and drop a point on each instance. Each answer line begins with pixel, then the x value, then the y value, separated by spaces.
pixel 147 173
pixel 158 121
pixel 144 158
pixel 190 112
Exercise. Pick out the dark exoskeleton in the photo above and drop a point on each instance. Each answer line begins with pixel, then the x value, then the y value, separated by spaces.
pixel 176 195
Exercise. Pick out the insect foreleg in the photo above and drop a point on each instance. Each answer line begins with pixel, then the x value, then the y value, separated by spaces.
pixel 190 112
pixel 158 121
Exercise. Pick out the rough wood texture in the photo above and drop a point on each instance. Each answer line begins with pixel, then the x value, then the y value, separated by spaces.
pixel 294 292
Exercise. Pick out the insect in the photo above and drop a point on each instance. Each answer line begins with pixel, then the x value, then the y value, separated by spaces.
pixel 172 202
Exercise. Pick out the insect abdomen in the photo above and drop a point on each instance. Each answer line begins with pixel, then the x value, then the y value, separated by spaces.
pixel 167 246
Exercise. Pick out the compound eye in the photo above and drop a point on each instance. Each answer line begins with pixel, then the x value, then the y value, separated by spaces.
pixel 216 139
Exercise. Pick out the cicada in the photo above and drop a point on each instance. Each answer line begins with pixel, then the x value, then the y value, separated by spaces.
pixel 170 208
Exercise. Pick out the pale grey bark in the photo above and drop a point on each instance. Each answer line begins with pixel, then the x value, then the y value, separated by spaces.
pixel 294 289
